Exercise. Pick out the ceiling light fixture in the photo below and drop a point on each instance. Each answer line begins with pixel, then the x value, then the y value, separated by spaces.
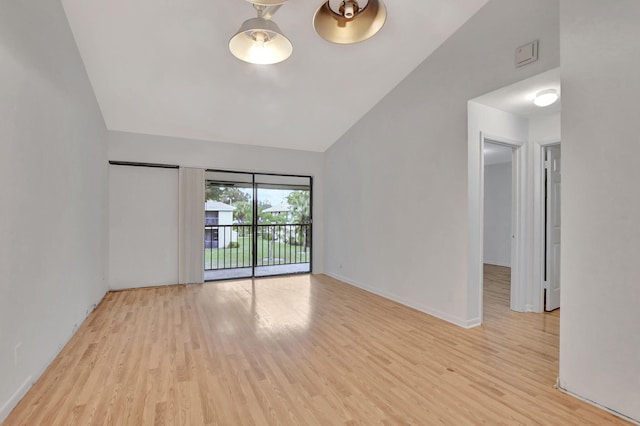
pixel 349 21
pixel 268 2
pixel 259 40
pixel 546 97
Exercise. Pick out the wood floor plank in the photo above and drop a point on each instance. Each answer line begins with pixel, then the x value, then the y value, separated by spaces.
pixel 302 350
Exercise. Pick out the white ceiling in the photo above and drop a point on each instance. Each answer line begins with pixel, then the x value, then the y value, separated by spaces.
pixel 163 68
pixel 518 98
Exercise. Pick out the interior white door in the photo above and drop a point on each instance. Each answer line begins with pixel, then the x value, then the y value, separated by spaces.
pixel 143 226
pixel 552 284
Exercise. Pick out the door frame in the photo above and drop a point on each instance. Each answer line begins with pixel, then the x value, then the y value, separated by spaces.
pixel 539 230
pixel 518 225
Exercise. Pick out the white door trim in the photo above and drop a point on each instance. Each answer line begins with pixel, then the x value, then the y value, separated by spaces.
pixel 538 222
pixel 518 224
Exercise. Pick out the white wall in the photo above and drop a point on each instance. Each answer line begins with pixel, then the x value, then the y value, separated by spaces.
pixel 143 226
pixel 216 155
pixel 225 218
pixel 599 315
pixel 497 214
pixel 53 177
pixel 226 235
pixel 544 128
pixel 410 152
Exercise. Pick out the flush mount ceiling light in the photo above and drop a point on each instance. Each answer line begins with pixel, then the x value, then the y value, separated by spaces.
pixel 349 21
pixel 259 40
pixel 546 97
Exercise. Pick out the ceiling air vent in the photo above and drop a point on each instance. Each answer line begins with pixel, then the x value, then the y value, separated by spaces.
pixel 527 54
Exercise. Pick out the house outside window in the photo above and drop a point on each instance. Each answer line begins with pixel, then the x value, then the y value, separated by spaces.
pixel 219 227
pixel 211 218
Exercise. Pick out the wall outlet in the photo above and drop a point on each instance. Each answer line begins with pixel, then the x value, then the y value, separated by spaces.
pixel 91 309
pixel 17 354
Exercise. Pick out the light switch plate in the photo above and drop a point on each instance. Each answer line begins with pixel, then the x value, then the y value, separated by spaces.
pixel 527 53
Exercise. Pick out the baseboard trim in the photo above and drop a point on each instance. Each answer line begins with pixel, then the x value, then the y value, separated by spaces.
pixel 475 322
pixel 8 406
pixel 417 306
pixel 595 404
pixel 503 264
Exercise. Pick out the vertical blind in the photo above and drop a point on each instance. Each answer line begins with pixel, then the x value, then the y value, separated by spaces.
pixel 190 226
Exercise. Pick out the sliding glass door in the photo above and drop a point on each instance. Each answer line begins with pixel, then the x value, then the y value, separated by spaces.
pixel 283 228
pixel 256 225
pixel 228 225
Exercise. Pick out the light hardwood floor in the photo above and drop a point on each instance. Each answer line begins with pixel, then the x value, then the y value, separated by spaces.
pixel 302 350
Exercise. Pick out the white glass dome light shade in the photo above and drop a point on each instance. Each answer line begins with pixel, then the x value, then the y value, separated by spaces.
pixel 260 41
pixel 268 2
pixel 546 98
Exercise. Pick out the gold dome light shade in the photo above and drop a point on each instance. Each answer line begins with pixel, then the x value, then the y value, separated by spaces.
pixel 260 41
pixel 350 24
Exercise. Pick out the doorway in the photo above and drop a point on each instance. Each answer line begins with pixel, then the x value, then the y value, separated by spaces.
pixel 497 227
pixel 511 113
pixel 257 225
pixel 516 226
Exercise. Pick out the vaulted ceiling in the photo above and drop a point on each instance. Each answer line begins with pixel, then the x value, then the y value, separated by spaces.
pixel 163 68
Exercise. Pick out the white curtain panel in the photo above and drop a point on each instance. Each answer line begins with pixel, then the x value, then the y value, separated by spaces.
pixel 191 226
